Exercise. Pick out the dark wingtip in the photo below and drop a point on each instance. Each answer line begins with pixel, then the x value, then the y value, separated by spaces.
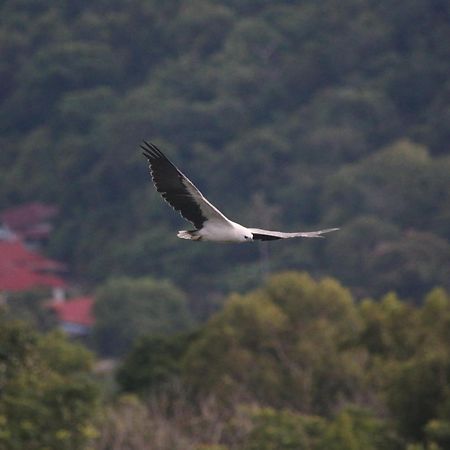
pixel 151 150
pixel 146 153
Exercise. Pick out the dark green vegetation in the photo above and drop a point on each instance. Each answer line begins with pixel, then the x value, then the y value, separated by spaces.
pixel 287 114
pixel 127 308
pixel 47 394
pixel 297 364
pixel 327 370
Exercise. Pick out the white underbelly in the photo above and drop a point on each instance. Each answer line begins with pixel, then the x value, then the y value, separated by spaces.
pixel 221 232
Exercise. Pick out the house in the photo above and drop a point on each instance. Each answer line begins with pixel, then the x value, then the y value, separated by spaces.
pixel 23 229
pixel 22 269
pixel 74 315
pixel 31 222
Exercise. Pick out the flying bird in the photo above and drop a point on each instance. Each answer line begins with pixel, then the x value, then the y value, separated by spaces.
pixel 210 224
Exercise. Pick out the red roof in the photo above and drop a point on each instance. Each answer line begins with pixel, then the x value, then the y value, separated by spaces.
pixel 31 220
pixel 76 310
pixel 22 269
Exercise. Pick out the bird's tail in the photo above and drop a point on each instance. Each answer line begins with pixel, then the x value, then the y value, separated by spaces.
pixel 316 234
pixel 191 235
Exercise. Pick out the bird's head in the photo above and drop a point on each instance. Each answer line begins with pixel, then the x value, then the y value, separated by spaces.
pixel 248 237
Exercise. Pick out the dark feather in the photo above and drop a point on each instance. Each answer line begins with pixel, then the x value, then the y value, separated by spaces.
pixel 264 237
pixel 169 183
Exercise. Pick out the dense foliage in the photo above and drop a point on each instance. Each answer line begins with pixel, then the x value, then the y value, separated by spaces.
pixel 125 309
pixel 287 114
pixel 294 364
pixel 291 114
pixel 47 395
pixel 321 371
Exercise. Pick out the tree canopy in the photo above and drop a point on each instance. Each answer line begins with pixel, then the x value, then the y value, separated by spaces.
pixel 298 363
pixel 125 309
pixel 48 398
pixel 331 112
pixel 287 114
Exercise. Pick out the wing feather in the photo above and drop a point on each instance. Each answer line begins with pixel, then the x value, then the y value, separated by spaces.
pixel 178 190
pixel 267 235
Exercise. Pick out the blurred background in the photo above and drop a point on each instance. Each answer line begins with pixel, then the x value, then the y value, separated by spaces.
pixel 292 115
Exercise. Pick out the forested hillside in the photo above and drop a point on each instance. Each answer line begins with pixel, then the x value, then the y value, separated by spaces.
pixel 286 114
pixel 291 115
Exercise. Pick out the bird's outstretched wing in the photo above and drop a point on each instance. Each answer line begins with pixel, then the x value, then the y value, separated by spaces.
pixel 267 235
pixel 178 190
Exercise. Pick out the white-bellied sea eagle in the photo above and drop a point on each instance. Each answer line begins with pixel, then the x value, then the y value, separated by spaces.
pixel 210 223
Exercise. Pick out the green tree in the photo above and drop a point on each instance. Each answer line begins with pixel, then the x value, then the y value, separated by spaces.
pixel 128 308
pixel 413 265
pixel 290 342
pixel 154 361
pixel 30 307
pixel 357 429
pixel 47 396
pixel 417 388
pixel 282 430
pixel 390 328
pixel 350 254
pixel 401 183
pixel 342 107
pixel 417 391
